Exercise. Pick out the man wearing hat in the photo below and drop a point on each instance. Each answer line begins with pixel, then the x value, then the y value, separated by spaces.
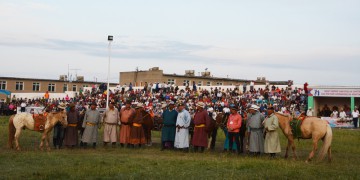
pixel 71 133
pixel 182 128
pixel 272 141
pixel 111 121
pixel 168 130
pixel 233 125
pixel 137 135
pixel 201 121
pixel 255 128
pixel 91 123
pixel 310 112
pixel 127 115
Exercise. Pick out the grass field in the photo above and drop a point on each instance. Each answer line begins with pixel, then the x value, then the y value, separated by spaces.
pixel 151 163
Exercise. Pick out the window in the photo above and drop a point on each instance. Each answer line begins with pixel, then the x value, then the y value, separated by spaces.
pixel 219 84
pixel 186 83
pixel 36 86
pixel 85 85
pixel 200 83
pixel 19 86
pixel 51 87
pixel 65 87
pixel 171 81
pixel 208 83
pixel 2 85
pixel 74 88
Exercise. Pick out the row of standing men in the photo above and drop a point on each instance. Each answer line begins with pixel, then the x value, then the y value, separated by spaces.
pixel 175 131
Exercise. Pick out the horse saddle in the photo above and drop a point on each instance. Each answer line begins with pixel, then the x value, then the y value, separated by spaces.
pixel 295 125
pixel 39 120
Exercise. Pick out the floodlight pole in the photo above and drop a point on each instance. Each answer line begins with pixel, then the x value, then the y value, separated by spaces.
pixel 110 39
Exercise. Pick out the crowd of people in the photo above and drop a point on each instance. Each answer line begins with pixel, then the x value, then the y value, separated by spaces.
pixel 186 115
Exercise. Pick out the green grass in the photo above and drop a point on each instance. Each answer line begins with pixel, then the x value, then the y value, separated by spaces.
pixel 151 163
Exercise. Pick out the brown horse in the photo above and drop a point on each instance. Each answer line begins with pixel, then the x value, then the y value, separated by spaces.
pixel 148 125
pixel 311 128
pixel 25 120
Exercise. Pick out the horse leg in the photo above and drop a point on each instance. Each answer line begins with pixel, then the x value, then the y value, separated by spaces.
pixel 287 149
pixel 17 135
pixel 42 142
pixel 293 147
pixel 312 153
pixel 329 154
pixel 47 143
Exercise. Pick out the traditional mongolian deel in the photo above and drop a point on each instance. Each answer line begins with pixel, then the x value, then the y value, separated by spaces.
pixel 182 134
pixel 137 135
pixel 126 118
pixel 71 132
pixel 254 124
pixel 111 120
pixel 91 124
pixel 272 141
pixel 201 120
pixel 169 121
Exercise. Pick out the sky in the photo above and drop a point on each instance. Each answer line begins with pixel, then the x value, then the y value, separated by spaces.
pixel 306 41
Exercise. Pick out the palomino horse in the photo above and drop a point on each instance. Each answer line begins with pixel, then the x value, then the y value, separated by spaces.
pixel 25 120
pixel 311 128
pixel 148 125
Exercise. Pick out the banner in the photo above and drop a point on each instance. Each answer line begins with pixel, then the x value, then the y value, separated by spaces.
pixel 335 92
pixel 339 123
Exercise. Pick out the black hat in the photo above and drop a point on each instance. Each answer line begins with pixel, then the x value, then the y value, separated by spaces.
pixel 93 103
pixel 128 102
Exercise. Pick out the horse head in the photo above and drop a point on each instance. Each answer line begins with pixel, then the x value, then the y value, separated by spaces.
pixel 63 118
pixel 221 120
pixel 55 117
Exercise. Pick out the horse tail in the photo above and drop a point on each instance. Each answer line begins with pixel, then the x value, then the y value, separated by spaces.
pixel 327 143
pixel 12 131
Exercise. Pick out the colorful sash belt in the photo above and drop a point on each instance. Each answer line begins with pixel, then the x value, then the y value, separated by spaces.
pixel 90 124
pixel 72 125
pixel 200 126
pixel 137 125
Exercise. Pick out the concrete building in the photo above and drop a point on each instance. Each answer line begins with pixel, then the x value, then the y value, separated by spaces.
pixel 31 85
pixel 138 78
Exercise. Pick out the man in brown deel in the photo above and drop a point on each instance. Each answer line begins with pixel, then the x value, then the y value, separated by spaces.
pixel 126 117
pixel 137 135
pixel 201 121
pixel 71 132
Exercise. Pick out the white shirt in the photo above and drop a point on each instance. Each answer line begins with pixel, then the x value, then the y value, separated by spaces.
pixel 226 110
pixel 342 114
pixel 355 114
pixel 310 112
pixel 23 104
pixel 335 114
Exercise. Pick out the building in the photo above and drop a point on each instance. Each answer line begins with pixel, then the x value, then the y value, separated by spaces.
pixel 138 78
pixel 338 96
pixel 31 85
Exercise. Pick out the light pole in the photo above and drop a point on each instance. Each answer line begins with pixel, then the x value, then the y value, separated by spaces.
pixel 110 39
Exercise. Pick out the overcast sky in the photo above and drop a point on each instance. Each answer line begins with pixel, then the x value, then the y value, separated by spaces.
pixel 306 41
